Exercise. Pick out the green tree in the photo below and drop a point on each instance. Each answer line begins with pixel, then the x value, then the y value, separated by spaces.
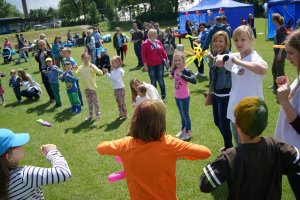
pixel 8 10
pixel 94 16
pixel 52 13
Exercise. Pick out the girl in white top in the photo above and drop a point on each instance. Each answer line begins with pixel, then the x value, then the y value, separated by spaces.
pixel 25 182
pixel 247 71
pixel 116 77
pixel 288 123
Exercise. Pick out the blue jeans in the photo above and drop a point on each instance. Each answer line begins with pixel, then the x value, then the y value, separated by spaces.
pixel 30 93
pixel 294 181
pixel 220 105
pixel 235 133
pixel 156 74
pixel 17 93
pixel 138 53
pixel 22 55
pixel 47 85
pixel 183 107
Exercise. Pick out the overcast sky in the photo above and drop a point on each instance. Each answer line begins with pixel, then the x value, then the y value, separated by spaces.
pixel 34 4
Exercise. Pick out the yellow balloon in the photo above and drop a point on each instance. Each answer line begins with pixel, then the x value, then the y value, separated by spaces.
pixel 196 53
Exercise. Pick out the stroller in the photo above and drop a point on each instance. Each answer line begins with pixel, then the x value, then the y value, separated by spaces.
pixel 7 54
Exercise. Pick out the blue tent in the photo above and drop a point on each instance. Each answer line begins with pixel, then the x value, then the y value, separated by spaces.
pixel 289 9
pixel 233 10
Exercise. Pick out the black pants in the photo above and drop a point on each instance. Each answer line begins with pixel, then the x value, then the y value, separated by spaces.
pixel 120 52
pixel 30 93
pixel 278 67
pixel 47 85
pixel 201 67
pixel 294 181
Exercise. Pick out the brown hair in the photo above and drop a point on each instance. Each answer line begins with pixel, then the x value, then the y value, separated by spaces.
pixel 149 121
pixel 23 75
pixel 278 18
pixel 84 54
pixel 142 89
pixel 293 40
pixel 226 38
pixel 116 59
pixel 133 89
pixel 243 28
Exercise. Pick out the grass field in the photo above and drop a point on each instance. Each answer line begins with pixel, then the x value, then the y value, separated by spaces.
pixel 77 139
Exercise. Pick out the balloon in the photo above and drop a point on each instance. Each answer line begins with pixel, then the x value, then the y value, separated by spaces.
pixel 186 13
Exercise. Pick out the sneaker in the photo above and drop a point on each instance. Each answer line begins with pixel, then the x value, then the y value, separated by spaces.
pixel 97 117
pixel 51 101
pixel 187 136
pixel 123 118
pixel 180 133
pixel 201 74
pixel 88 118
pixel 221 149
pixel 196 74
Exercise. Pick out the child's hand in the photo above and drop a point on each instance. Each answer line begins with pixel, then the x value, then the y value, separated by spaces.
pixel 104 70
pixel 209 56
pixel 75 67
pixel 282 80
pixel 235 60
pixel 219 61
pixel 179 73
pixel 283 93
pixel 48 147
pixel 171 76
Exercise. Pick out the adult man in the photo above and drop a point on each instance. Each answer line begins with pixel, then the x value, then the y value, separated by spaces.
pixel 137 37
pixel 21 46
pixel 160 33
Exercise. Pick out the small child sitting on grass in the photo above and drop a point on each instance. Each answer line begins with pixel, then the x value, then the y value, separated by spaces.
pixel 253 169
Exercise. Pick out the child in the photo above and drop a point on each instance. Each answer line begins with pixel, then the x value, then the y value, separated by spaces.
pixel 72 90
pixel 141 95
pixel 116 77
pixel 221 85
pixel 2 90
pixel 254 169
pixel 247 71
pixel 182 94
pixel 24 182
pixel 15 83
pixel 87 73
pixel 288 123
pixel 66 56
pixel 149 156
pixel 53 72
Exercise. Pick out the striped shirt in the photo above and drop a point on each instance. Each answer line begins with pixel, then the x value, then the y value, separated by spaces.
pixel 25 182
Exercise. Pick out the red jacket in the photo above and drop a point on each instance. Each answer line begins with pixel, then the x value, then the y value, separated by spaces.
pixel 151 55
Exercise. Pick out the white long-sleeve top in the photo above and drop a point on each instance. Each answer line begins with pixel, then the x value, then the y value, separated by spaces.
pixel 25 182
pixel 116 77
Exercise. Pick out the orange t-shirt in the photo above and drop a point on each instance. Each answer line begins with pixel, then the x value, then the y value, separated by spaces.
pixel 151 166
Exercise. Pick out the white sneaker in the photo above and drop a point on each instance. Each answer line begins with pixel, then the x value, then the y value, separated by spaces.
pixel 196 74
pixel 180 133
pixel 187 136
pixel 201 74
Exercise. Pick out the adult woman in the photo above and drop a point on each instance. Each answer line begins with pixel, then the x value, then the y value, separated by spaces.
pixel 153 56
pixel 151 90
pixel 57 46
pixel 288 123
pixel 188 29
pixel 169 44
pixel 90 45
pixel 201 40
pixel 279 54
pixel 40 57
pixel 30 88
pixel 119 40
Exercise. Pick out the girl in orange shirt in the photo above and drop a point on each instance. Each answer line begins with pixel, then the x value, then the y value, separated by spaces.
pixel 149 155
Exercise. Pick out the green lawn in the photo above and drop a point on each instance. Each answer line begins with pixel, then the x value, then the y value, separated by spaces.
pixel 77 139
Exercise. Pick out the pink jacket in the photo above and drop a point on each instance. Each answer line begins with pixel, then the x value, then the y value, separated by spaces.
pixel 151 55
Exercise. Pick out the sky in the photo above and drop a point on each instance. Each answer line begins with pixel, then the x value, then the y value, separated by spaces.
pixel 34 4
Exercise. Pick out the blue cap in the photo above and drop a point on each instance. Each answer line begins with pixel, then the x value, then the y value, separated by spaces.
pixel 9 139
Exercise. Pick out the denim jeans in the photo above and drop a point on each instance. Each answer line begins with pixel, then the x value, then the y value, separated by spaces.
pixel 183 107
pixel 93 55
pixel 30 93
pixel 17 92
pixel 22 55
pixel 235 133
pixel 138 53
pixel 47 85
pixel 294 180
pixel 156 74
pixel 220 105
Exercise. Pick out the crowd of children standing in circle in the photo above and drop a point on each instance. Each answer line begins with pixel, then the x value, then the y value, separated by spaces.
pixel 237 101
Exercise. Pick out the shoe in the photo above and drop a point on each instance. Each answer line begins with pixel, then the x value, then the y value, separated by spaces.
pixel 163 97
pixel 201 74
pixel 19 101
pixel 123 118
pixel 187 136
pixel 73 109
pixel 51 101
pixel 196 74
pixel 180 133
pixel 97 117
pixel 222 149
pixel 3 103
pixel 88 118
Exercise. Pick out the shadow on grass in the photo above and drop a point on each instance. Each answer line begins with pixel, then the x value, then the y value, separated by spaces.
pixel 85 125
pixel 113 125
pixel 135 68
pixel 36 72
pixel 201 79
pixel 64 115
pixel 25 102
pixel 40 109
pixel 221 193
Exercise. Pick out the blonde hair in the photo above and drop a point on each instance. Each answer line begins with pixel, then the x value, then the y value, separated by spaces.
pixel 116 59
pixel 226 38
pixel 278 18
pixel 180 54
pixel 241 29
pixel 152 32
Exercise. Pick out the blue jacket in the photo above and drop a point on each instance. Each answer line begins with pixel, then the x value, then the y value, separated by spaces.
pixel 70 81
pixel 56 50
pixel 52 73
pixel 202 38
pixel 15 82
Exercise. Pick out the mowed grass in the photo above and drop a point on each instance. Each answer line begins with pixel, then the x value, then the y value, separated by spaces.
pixel 77 139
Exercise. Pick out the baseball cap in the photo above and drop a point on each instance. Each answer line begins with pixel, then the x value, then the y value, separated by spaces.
pixel 48 59
pixel 10 139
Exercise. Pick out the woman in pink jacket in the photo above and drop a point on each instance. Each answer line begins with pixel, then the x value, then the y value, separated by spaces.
pixel 153 56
